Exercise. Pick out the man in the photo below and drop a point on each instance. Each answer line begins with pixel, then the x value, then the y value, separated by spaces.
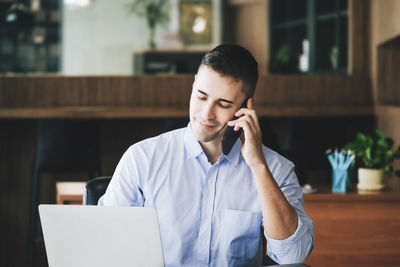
pixel 212 208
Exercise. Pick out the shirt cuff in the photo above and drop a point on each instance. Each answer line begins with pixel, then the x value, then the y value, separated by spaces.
pixel 279 247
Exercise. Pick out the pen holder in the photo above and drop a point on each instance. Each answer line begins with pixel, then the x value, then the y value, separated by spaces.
pixel 340 180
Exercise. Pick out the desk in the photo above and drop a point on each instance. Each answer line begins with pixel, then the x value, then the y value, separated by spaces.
pixel 354 229
pixel 350 229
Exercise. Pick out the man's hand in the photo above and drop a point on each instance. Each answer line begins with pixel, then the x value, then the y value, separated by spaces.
pixel 251 136
pixel 280 219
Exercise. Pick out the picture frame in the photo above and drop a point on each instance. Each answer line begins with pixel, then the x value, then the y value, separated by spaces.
pixel 200 23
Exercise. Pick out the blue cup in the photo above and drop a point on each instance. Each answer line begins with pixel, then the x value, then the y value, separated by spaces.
pixel 340 180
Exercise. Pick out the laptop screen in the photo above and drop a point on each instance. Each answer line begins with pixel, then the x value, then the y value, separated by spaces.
pixel 101 236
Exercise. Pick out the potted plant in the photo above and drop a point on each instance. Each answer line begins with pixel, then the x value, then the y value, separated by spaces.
pixel 375 156
pixel 156 12
pixel 334 57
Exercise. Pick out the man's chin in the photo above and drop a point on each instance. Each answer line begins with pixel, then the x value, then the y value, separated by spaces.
pixel 205 137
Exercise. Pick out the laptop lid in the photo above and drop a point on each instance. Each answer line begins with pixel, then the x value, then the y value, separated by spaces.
pixel 101 236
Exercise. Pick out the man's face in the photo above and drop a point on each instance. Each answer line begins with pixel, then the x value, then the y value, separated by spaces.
pixel 213 103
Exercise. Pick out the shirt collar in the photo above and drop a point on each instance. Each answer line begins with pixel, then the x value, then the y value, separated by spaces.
pixel 194 149
pixel 234 156
pixel 192 145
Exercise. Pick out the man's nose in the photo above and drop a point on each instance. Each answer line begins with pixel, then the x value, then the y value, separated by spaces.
pixel 209 111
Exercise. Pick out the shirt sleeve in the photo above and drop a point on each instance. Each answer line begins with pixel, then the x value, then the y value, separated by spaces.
pixel 126 187
pixel 297 247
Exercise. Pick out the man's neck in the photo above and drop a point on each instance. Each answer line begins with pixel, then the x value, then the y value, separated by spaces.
pixel 212 149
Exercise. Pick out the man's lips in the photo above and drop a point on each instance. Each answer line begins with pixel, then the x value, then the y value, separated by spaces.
pixel 207 126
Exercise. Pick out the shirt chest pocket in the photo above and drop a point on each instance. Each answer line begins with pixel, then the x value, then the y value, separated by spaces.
pixel 240 234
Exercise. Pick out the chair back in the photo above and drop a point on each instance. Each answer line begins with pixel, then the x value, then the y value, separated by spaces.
pixel 94 189
pixel 67 146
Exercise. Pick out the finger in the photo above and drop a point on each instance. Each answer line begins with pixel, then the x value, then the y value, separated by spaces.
pixel 234 124
pixel 246 125
pixel 250 114
pixel 245 111
pixel 250 121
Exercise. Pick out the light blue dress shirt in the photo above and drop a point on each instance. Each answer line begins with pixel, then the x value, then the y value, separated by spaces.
pixel 209 215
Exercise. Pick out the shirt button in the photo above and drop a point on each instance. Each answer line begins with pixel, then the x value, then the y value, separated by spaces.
pixel 209 181
pixel 203 242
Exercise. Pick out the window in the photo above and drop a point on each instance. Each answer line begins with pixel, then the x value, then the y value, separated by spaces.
pixel 30 38
pixel 308 36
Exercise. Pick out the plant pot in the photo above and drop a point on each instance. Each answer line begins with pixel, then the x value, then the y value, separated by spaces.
pixel 370 179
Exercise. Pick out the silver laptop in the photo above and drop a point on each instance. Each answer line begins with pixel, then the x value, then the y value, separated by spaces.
pixel 101 236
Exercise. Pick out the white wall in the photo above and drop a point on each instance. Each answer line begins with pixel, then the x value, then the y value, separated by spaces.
pixel 101 38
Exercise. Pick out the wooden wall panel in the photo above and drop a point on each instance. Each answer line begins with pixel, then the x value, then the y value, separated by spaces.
pixel 16 148
pixel 388 120
pixel 386 17
pixel 250 28
pixel 388 73
pixel 384 26
pixel 168 96
pixel 385 57
pixel 36 91
pixel 314 90
pixel 359 39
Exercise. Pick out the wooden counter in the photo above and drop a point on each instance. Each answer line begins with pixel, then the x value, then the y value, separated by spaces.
pixel 164 96
pixel 355 229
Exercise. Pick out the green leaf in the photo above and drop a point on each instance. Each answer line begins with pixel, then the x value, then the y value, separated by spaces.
pixel 382 143
pixel 368 153
pixel 388 169
pixel 389 142
pixel 361 138
pixel 370 141
pixel 156 12
pixel 389 157
pixel 380 134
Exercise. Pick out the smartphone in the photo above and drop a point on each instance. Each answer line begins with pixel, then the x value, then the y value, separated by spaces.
pixel 230 136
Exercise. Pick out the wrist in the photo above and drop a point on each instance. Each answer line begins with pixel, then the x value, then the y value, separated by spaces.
pixel 260 167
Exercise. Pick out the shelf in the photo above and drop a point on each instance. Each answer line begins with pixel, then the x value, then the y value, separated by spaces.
pixel 80 112
pixel 314 111
pixel 387 110
pixel 244 2
pixel 325 194
pixel 108 112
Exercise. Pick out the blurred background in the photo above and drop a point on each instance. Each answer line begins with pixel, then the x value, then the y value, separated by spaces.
pixel 328 70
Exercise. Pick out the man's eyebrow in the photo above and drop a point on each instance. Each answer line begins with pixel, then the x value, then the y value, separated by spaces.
pixel 201 92
pixel 221 99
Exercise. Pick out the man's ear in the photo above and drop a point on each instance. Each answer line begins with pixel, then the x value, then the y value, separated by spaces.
pixel 250 102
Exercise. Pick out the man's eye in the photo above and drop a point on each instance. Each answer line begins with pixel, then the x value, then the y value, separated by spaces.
pixel 202 97
pixel 224 106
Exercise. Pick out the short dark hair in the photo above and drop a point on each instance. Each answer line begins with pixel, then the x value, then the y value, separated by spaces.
pixel 236 62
